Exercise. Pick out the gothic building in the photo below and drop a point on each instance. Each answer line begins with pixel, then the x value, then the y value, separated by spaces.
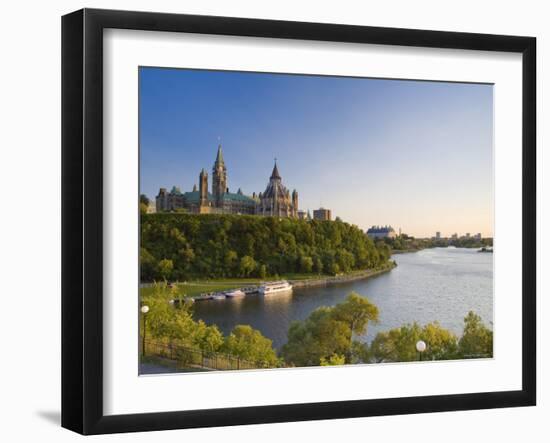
pixel 276 200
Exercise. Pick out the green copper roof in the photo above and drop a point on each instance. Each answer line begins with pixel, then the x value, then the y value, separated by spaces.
pixel 237 197
pixel 219 157
pixel 194 197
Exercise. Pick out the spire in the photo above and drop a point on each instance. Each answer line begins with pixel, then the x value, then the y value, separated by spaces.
pixel 219 156
pixel 275 173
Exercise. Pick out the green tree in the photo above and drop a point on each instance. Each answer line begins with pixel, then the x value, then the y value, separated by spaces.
pixel 247 266
pixel 329 331
pixel 147 264
pixel 230 261
pixel 165 268
pixel 318 266
pixel 333 360
pixel 319 336
pixel 144 199
pixel 262 271
pixel 356 312
pixel 345 260
pixel 441 344
pixel 477 339
pixel 166 323
pixel 249 344
pixel 399 344
pixel 143 204
pixel 306 264
pixel 396 345
pixel 208 338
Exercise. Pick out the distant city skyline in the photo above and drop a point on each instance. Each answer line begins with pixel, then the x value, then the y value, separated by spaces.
pixel 415 155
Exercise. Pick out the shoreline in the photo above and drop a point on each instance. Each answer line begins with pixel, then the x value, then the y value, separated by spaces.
pixel 405 251
pixel 327 281
pixel 314 281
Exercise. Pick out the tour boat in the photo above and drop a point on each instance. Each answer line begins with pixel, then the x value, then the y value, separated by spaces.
pixel 250 290
pixel 275 287
pixel 234 293
pixel 486 249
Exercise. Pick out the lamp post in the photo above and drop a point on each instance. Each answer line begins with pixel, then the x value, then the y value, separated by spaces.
pixel 420 347
pixel 144 310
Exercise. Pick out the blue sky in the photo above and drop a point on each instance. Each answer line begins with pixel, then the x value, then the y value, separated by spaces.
pixel 413 154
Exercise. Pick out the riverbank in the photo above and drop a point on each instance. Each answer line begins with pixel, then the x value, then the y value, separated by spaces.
pixel 405 251
pixel 339 279
pixel 196 288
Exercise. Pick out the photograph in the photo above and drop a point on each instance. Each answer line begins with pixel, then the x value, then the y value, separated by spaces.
pixel 292 220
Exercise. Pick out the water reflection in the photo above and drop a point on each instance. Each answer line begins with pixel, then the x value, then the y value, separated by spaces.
pixel 281 298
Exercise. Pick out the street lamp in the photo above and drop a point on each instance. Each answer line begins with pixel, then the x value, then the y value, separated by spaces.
pixel 144 310
pixel 420 347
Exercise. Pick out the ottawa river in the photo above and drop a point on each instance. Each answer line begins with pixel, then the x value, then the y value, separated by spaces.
pixel 440 284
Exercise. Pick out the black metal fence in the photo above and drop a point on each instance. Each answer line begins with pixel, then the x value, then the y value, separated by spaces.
pixel 184 357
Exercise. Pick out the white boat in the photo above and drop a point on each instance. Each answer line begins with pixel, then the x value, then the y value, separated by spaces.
pixel 218 296
pixel 275 287
pixel 234 293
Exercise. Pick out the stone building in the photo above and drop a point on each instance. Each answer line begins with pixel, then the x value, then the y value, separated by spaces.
pixel 322 214
pixel 381 232
pixel 275 200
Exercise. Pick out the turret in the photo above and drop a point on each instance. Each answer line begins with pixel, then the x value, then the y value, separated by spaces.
pixel 203 188
pixel 295 202
pixel 275 174
pixel 219 177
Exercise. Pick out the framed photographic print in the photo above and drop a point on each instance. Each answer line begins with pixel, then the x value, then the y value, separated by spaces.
pixel 269 221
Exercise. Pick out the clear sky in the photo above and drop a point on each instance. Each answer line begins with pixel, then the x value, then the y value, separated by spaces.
pixel 411 154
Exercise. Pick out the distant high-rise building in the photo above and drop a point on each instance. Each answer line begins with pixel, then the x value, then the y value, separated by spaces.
pixel 322 214
pixel 438 235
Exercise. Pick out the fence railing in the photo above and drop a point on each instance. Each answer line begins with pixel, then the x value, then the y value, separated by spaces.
pixel 184 357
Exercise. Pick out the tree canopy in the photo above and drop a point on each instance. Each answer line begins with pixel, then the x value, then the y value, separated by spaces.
pixel 176 326
pixel 177 246
pixel 249 344
pixel 327 334
pixel 399 344
pixel 477 339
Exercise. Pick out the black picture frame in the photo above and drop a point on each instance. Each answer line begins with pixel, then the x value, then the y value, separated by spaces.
pixel 82 218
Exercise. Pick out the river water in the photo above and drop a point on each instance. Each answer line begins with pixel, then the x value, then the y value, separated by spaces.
pixel 440 284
